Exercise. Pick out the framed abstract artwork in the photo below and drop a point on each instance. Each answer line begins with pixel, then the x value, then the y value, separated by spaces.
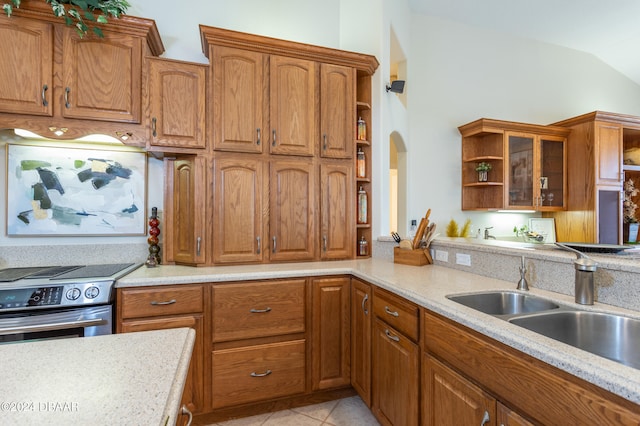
pixel 60 191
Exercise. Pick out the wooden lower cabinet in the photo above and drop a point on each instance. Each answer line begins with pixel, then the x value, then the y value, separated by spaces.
pixel 451 400
pixel 257 373
pixel 330 332
pixel 483 366
pixel 361 314
pixel 395 377
pixel 508 417
pixel 165 307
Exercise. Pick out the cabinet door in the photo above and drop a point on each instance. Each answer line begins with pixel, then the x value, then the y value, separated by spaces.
pixel 361 339
pixel 293 106
pixel 177 93
pixel 292 209
pixel 336 111
pixel 520 170
pixel 608 146
pixel 395 377
pixel 551 177
pixel 451 400
pixel 238 216
pixel 330 333
pixel 102 78
pixel 193 393
pixel 336 210
pixel 185 210
pixel 26 69
pixel 239 94
pixel 508 417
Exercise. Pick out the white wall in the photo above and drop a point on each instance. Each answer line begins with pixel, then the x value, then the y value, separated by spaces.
pixel 460 73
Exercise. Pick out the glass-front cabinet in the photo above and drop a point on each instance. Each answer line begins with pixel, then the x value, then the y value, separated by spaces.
pixel 513 166
pixel 535 174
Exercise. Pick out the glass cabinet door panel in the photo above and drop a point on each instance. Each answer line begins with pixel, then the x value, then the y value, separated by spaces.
pixel 521 171
pixel 551 179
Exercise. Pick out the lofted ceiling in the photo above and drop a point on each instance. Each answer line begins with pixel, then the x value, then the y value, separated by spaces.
pixel 610 30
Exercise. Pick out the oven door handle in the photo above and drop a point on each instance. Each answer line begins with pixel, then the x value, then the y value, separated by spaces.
pixel 52 326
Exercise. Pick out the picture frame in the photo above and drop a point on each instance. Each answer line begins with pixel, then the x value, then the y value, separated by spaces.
pixel 67 191
pixel 545 226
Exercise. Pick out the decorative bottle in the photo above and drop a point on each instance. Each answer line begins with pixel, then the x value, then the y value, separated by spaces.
pixel 362 129
pixel 154 249
pixel 363 247
pixel 362 206
pixel 361 165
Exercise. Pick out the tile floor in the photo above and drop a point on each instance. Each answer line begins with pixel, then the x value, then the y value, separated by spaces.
pixel 342 412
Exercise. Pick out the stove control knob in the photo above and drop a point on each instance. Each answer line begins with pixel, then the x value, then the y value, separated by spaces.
pixel 92 292
pixel 73 293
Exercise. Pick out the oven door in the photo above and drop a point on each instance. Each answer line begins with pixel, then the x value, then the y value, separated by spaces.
pixel 56 324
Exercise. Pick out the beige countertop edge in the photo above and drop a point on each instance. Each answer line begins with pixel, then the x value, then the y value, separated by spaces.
pixel 428 286
pixel 172 409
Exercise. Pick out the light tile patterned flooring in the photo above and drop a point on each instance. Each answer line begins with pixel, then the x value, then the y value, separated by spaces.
pixel 342 412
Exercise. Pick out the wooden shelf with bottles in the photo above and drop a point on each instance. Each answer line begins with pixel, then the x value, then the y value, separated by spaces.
pixel 364 112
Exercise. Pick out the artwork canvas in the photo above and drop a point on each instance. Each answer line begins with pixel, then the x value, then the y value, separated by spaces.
pixel 59 191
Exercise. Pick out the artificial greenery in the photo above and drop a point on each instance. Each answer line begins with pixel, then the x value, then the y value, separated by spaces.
pixel 454 231
pixel 483 167
pixel 77 13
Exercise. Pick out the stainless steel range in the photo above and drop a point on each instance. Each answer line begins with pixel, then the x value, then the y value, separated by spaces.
pixel 58 301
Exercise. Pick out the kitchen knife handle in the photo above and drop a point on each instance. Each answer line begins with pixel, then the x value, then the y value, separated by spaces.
pixel 259 244
pixel 258 131
pixel 44 95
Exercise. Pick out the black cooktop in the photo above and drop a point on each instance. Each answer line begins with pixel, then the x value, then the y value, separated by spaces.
pixel 62 272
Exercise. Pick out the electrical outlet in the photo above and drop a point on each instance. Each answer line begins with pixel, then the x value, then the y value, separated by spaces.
pixel 442 255
pixel 463 259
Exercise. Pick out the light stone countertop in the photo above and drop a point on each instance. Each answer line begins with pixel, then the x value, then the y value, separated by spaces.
pixel 427 286
pixel 131 378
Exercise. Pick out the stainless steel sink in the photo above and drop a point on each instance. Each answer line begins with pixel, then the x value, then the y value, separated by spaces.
pixel 608 335
pixel 504 302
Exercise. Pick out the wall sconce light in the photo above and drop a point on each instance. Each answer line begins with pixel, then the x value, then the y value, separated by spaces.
pixel 397 86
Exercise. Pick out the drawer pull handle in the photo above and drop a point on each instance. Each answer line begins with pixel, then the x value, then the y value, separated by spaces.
pixel 260 311
pixel 266 373
pixel 259 245
pixel 66 97
pixel 169 302
pixel 259 136
pixel 188 413
pixel 390 312
pixel 364 303
pixel 44 95
pixel 391 336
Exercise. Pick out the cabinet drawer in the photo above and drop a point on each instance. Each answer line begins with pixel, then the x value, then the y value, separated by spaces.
pixel 258 309
pixel 155 301
pixel 258 373
pixel 397 312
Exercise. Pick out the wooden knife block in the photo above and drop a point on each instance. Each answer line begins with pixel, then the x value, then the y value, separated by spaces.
pixel 416 257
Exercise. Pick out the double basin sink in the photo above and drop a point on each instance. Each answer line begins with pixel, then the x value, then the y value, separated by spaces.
pixel 611 336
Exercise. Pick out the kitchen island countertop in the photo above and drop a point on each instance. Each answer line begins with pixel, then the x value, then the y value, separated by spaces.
pixel 428 286
pixel 131 378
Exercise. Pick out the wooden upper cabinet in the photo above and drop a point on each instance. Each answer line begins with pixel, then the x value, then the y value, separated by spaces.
pixel 26 69
pixel 177 103
pixel 293 106
pixel 185 235
pixel 102 78
pixel 608 147
pixel 238 216
pixel 336 210
pixel 292 210
pixel 239 93
pixel 337 109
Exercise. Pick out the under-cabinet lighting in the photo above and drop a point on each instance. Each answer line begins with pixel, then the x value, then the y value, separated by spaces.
pixel 516 211
pixel 95 138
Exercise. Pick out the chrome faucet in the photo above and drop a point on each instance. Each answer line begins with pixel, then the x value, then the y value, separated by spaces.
pixel 522 284
pixel 585 268
pixel 487 235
